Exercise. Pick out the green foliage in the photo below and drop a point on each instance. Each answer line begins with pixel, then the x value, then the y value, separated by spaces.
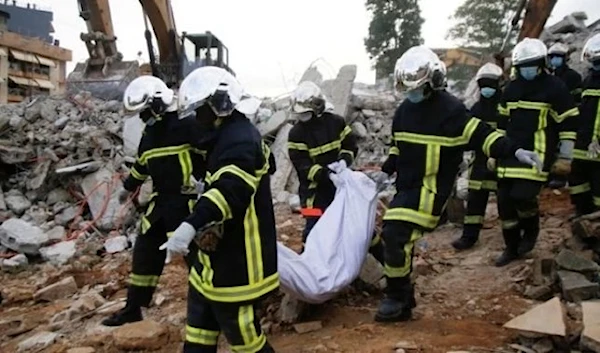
pixel 395 27
pixel 482 24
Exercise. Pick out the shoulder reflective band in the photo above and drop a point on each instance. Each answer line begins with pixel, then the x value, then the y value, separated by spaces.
pixel 311 212
pixel 591 93
pixel 445 141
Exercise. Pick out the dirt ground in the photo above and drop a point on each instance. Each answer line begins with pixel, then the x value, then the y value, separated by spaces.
pixel 463 300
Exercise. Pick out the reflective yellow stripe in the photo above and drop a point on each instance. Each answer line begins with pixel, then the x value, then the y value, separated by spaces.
pixel 252 341
pixel 501 132
pixel 491 185
pixel 540 135
pixel 475 184
pixel 162 152
pixel 145 225
pixel 510 224
pixel 567 135
pixel 207 271
pixel 492 124
pixel 582 155
pixel 528 105
pixel 216 197
pixel 201 336
pixel 489 141
pixel 416 217
pixel 522 173
pixel 170 234
pixel 376 240
pixel 233 294
pixel 137 175
pixel 473 220
pixel 503 111
pixel 591 93
pixel 297 146
pixel 332 146
pixel 422 139
pixel 404 271
pixel 347 131
pixel 313 171
pixel 347 152
pixel 394 151
pixel 143 280
pixel 310 202
pixel 250 179
pixel 596 201
pixel 254 260
pixel 580 189
pixel 185 160
pixel 568 114
pixel 429 189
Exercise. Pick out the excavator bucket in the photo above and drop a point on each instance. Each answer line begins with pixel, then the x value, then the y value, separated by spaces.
pixel 108 83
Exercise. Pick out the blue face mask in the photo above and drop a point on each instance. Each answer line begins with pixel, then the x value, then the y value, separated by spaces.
pixel 416 95
pixel 488 92
pixel 557 61
pixel 529 73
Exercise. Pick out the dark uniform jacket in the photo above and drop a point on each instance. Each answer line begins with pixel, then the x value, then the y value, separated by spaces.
pixel 589 121
pixel 428 143
pixel 486 109
pixel 572 79
pixel 169 154
pixel 313 145
pixel 238 196
pixel 540 113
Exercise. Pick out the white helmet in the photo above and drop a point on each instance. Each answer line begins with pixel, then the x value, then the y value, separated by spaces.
pixel 591 50
pixel 558 49
pixel 141 93
pixel 419 65
pixel 213 86
pixel 528 50
pixel 489 70
pixel 307 97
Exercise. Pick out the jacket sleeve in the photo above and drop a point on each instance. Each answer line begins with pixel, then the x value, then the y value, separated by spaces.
pixel 272 163
pixel 349 146
pixel 199 164
pixel 389 166
pixel 502 115
pixel 575 85
pixel 564 112
pixel 230 188
pixel 139 172
pixel 300 157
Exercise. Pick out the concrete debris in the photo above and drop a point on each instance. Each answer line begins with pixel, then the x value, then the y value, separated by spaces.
pixel 142 335
pixel 406 345
pixel 116 244
pixel 547 319
pixel 22 237
pixel 576 287
pixel 590 337
pixel 59 290
pixel 273 123
pixel 339 90
pixel 543 346
pixel 81 350
pixel 282 160
pixel 17 202
pixel 371 271
pixel 15 264
pixel 307 327
pixel 574 22
pixel 571 261
pixel 290 309
pixel 59 253
pixel 57 233
pixel 38 341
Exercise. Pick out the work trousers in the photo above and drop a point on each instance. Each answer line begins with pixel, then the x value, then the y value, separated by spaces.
pixel 584 186
pixel 476 205
pixel 518 208
pixel 206 320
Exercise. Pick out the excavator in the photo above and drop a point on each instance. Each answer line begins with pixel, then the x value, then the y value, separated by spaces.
pixel 106 75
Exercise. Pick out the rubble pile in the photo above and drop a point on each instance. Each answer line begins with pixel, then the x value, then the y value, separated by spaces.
pixel 61 161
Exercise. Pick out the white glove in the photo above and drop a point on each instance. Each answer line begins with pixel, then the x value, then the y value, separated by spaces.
pixel 180 241
pixel 338 167
pixel 529 157
pixel 594 149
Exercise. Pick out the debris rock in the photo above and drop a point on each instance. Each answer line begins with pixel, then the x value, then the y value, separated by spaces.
pixel 59 253
pixel 340 89
pixel 590 337
pixel 543 292
pixel 359 130
pixel 66 216
pixel 543 346
pixel 282 160
pixel 15 264
pixel 142 335
pixel 371 271
pixel 294 203
pixel 57 195
pixel 81 350
pixel 59 290
pixel 306 327
pixel 38 341
pixel 16 202
pixel 22 237
pixel 547 318
pixel 406 345
pixel 571 261
pixel 576 286
pixel 116 244
pixel 290 309
pixel 273 124
pixel 57 233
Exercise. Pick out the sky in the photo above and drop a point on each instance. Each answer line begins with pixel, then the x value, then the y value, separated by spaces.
pixel 272 42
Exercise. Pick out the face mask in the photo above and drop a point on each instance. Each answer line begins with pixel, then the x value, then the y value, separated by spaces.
pixel 556 61
pixel 304 117
pixel 529 73
pixel 416 95
pixel 488 92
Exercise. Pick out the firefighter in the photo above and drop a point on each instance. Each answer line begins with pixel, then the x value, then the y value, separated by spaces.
pixel 233 223
pixel 558 58
pixel 584 183
pixel 430 131
pixel 541 114
pixel 482 180
pixel 166 155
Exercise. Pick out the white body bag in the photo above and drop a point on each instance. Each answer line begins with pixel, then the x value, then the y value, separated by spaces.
pixel 337 245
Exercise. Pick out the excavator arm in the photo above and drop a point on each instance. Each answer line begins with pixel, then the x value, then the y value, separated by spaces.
pixel 536 15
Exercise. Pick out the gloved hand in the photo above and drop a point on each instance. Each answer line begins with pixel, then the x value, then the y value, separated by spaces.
pixel 338 167
pixel 561 167
pixel 594 149
pixel 179 242
pixel 491 164
pixel 124 196
pixel 529 157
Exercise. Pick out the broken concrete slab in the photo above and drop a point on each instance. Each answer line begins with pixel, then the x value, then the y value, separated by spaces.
pixel 274 123
pixel 38 341
pixel 22 237
pixel 66 215
pixel 290 309
pixel 82 350
pixel 313 75
pixel 17 202
pixel 359 130
pixel 587 226
pixel 57 195
pixel 142 335
pixel 15 264
pixel 116 244
pixel 542 292
pixel 340 89
pixel 282 160
pixel 569 260
pixel 547 318
pixel 307 327
pixel 60 290
pixel 371 271
pixel 590 337
pixel 59 253
pixel 576 287
pixel 56 234
pixel 569 24
pixel 133 128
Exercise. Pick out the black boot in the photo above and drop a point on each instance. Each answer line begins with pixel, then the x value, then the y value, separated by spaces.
pixel 398 303
pixel 511 239
pixel 465 242
pixel 531 230
pixel 126 315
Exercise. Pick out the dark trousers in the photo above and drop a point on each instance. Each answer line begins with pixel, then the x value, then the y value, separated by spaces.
pixel 476 206
pixel 206 320
pixel 584 186
pixel 518 208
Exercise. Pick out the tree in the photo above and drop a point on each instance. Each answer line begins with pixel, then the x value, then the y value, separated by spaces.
pixel 394 28
pixel 482 24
